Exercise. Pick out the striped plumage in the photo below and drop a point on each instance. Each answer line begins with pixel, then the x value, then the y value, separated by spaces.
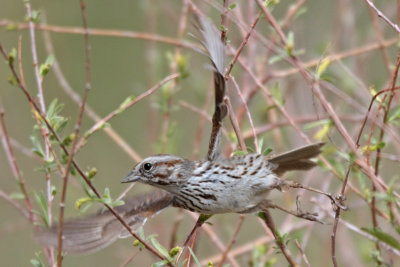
pixel 236 184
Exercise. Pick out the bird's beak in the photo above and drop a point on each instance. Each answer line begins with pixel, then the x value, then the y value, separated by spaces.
pixel 131 177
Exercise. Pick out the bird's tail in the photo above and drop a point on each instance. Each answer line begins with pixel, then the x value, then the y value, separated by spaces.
pixel 94 232
pixel 297 159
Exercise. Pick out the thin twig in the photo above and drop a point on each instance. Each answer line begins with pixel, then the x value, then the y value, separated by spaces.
pixel 303 255
pixel 99 124
pixel 88 86
pixel 232 241
pixel 253 129
pixel 105 32
pixel 282 246
pixel 56 69
pixel 242 45
pixel 235 124
pixel 380 14
pixel 14 166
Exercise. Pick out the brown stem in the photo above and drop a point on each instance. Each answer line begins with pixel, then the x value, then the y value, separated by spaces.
pixel 14 166
pixel 232 241
pixel 64 149
pixel 271 225
pixel 88 86
pixel 235 124
pixel 106 32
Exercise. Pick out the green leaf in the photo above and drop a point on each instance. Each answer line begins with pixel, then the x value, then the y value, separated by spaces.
pixel 11 27
pixel 323 66
pixel 383 237
pixel 323 132
pixel 277 94
pixel 37 146
pixel 46 66
pixel 260 142
pixel 290 43
pixel 12 55
pixel 12 80
pixel 182 64
pixel 267 151
pixel 160 248
pixel 276 58
pixel 374 147
pixel 395 114
pixel 174 251
pixel 194 257
pixel 125 104
pixel 91 173
pixel 17 195
pixel 35 16
pixel 312 125
pixel 239 153
pixel 160 263
pixel 81 201
pixel 42 203
pixel 232 6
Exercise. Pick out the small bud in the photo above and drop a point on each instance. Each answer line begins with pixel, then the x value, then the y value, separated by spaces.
pixel 92 173
pixel 174 251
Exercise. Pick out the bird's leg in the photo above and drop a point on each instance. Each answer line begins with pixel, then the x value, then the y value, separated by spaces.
pixel 337 200
pixel 298 213
pixel 200 221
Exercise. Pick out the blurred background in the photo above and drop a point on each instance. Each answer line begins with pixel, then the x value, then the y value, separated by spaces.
pixel 349 51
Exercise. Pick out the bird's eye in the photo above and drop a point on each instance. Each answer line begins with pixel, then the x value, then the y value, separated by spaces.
pixel 147 166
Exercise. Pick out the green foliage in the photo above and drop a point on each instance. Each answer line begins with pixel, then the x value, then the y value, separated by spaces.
pixel 258 255
pixel 239 153
pixel 322 133
pixel 42 203
pixel 12 56
pixel 323 66
pixel 53 116
pixel 196 260
pixel 17 195
pixel 124 105
pixel 91 173
pixel 181 62
pixel 374 147
pixel 232 6
pixel 394 116
pixel 35 16
pixel 37 261
pixel 383 237
pixel 277 94
pixel 290 43
pixel 84 203
pixel 46 66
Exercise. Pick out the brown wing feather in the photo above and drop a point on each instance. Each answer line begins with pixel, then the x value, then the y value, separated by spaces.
pixel 297 159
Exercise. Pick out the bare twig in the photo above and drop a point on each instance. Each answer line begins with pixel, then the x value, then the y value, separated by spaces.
pixel 303 255
pixel 106 32
pixel 88 86
pixel 380 14
pixel 14 166
pixel 232 241
pixel 235 124
pixel 282 246
pixel 97 126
